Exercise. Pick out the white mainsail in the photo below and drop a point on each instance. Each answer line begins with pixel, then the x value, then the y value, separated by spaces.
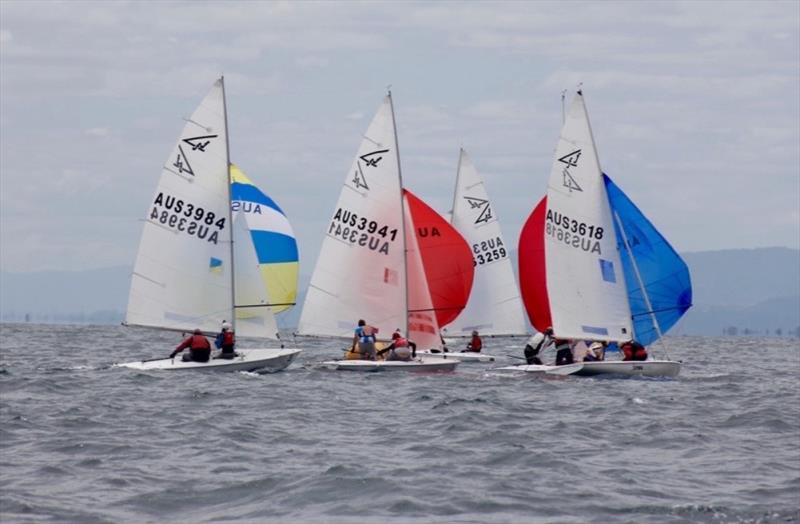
pixel 182 275
pixel 495 306
pixel 361 267
pixel 585 280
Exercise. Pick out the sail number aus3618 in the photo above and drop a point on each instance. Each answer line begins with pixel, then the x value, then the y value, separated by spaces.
pixel 186 217
pixel 361 231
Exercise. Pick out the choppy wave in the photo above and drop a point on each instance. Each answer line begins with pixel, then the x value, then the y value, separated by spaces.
pixel 82 441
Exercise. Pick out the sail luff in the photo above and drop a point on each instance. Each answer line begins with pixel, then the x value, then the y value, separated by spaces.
pixel 645 294
pixel 230 213
pixel 404 247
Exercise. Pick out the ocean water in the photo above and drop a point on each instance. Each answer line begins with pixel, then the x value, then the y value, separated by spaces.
pixel 81 441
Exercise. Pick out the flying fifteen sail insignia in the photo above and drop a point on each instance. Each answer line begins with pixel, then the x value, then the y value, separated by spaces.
pixel 182 163
pixel 370 160
pixel 571 160
pixel 359 180
pixel 483 205
pixel 199 143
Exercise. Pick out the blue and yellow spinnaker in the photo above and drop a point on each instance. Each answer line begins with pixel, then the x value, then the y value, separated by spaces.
pixel 273 239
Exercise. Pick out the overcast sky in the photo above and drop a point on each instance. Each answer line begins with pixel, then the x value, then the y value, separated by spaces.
pixel 694 105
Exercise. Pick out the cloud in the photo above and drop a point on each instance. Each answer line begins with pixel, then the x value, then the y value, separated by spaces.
pixel 695 114
pixel 97 131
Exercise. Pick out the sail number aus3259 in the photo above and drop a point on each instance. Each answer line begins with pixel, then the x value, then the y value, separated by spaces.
pixel 361 231
pixel 186 217
pixel 488 251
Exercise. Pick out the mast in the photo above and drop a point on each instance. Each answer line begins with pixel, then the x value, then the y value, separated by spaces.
pixel 591 133
pixel 402 209
pixel 641 284
pixel 455 189
pixel 230 212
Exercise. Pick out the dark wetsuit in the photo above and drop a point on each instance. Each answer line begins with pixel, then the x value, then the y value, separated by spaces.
pixel 563 353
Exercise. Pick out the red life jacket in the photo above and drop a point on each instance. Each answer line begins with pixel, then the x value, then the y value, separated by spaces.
pixel 476 344
pixel 633 351
pixel 400 342
pixel 199 342
pixel 228 339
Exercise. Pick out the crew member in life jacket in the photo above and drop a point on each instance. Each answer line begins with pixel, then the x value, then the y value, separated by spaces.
pixel 225 341
pixel 632 350
pixel 364 340
pixel 199 348
pixel 538 342
pixel 400 349
pixel 563 352
pixel 475 344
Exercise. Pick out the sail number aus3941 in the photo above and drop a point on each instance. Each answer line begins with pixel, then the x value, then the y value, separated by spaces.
pixel 186 217
pixel 361 231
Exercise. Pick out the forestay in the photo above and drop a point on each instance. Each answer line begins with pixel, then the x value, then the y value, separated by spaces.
pixel 182 275
pixel 360 271
pixel 494 306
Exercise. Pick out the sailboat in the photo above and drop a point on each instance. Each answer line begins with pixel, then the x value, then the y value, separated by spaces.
pixel 199 264
pixel 494 307
pixel 387 257
pixel 592 266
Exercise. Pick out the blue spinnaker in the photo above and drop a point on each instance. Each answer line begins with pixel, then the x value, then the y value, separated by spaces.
pixel 664 273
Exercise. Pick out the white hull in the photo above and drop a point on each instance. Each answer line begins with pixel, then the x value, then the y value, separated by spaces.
pixel 263 360
pixel 647 368
pixel 524 368
pixel 461 357
pixel 419 364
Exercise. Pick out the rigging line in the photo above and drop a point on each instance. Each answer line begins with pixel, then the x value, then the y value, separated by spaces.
pixel 265 305
pixel 676 308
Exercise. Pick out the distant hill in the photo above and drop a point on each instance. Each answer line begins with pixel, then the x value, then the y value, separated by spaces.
pixel 747 289
pixel 95 295
pixel 743 277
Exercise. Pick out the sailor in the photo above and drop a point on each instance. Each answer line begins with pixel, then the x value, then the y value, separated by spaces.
pixel 364 339
pixel 538 342
pixel 226 339
pixel 563 351
pixel 475 344
pixel 199 348
pixel 598 350
pixel 632 350
pixel 400 349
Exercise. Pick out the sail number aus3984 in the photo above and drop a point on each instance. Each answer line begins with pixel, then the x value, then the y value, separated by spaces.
pixel 361 231
pixel 186 217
